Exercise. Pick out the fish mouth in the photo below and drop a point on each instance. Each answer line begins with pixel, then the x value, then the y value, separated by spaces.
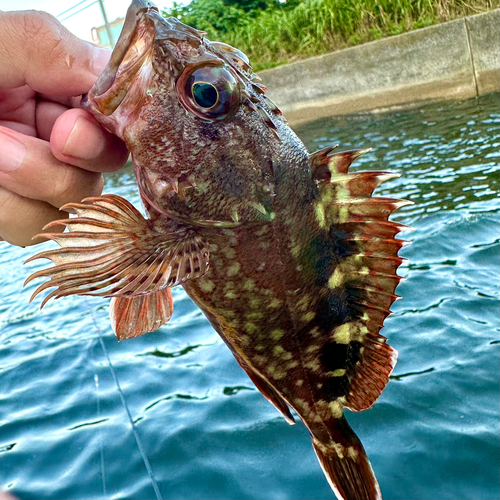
pixel 132 50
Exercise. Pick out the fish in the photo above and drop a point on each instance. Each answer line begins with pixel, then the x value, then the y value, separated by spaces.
pixel 288 254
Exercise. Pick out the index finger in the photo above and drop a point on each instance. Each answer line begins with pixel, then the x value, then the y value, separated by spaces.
pixel 35 49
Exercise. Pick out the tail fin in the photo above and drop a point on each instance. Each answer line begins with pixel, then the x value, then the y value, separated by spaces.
pixel 346 466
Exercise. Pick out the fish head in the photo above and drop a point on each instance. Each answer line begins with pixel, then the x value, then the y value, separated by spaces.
pixel 191 112
pixel 156 55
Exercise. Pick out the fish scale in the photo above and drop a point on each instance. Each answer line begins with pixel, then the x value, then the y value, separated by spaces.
pixel 288 254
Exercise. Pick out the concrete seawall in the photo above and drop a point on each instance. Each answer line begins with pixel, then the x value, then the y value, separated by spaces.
pixel 453 60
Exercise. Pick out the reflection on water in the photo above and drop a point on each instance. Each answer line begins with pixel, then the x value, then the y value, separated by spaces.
pixel 231 391
pixel 150 417
pixel 448 157
pixel 410 374
pixel 175 354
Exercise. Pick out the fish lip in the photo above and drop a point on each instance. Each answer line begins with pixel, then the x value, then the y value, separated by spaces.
pixel 131 63
pixel 135 13
pixel 132 49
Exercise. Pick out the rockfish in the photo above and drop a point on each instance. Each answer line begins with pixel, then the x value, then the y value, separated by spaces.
pixel 287 254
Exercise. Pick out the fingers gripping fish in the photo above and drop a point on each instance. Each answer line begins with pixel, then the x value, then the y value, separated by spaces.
pixel 287 253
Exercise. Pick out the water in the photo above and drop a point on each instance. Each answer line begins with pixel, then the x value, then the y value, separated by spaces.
pixel 171 414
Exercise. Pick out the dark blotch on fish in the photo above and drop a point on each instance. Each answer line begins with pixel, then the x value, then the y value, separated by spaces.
pixel 334 310
pixel 336 387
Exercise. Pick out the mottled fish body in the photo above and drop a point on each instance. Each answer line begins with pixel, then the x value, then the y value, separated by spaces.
pixel 289 255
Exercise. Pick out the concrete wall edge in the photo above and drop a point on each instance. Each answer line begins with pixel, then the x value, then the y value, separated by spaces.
pixel 453 60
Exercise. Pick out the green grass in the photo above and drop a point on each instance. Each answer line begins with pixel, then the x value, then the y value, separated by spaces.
pixel 285 34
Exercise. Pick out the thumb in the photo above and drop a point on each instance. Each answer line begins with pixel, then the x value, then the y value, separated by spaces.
pixel 36 50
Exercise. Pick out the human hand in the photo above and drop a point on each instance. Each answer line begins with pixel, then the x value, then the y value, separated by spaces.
pixel 5 496
pixel 51 152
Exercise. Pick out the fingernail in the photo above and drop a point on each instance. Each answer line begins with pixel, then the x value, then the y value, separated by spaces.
pixel 100 58
pixel 12 153
pixel 85 141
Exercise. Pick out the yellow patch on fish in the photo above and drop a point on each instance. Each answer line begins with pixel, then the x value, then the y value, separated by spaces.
pixel 229 252
pixel 313 348
pixel 337 373
pixel 275 303
pixel 207 286
pixel 277 334
pixel 352 453
pixel 336 279
pixel 308 316
pixel 339 449
pixel 277 350
pixel 342 334
pixel 336 409
pixel 250 327
pixel 249 285
pixel 254 315
pixel 314 365
pixel 233 269
pixel 254 303
pixel 315 332
pixel 344 215
pixel 296 249
pixel 304 302
pixel 319 209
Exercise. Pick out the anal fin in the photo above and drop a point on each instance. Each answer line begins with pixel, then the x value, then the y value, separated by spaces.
pixel 134 316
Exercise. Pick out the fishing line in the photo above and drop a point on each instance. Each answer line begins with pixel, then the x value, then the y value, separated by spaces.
pixel 103 470
pixel 124 403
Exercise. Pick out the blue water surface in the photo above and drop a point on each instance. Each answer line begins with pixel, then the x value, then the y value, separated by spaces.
pixel 171 415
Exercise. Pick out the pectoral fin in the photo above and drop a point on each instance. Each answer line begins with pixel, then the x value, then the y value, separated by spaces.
pixel 112 250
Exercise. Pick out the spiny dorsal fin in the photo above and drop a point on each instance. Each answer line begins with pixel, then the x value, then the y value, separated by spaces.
pixel 324 165
pixel 112 251
pixel 366 274
pixel 265 117
pixel 272 105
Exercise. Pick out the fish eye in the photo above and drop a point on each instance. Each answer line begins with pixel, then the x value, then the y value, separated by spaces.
pixel 209 92
pixel 205 94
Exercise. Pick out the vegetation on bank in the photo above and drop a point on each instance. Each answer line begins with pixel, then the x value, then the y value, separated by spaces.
pixel 271 32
